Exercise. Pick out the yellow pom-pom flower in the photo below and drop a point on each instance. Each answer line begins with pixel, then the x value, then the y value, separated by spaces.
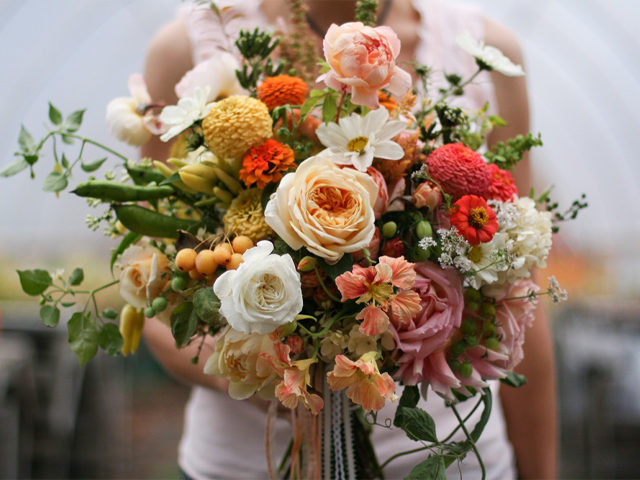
pixel 236 124
pixel 245 216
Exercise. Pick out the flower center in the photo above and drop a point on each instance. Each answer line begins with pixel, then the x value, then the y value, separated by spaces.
pixel 475 254
pixel 357 144
pixel 478 217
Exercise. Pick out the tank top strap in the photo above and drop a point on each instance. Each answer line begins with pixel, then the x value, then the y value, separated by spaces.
pixel 441 23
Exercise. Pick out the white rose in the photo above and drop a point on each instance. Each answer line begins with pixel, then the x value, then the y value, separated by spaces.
pixel 144 275
pixel 124 119
pixel 325 208
pixel 262 294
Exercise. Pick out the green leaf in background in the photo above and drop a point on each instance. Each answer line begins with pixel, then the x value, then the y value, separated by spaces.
pixel 92 166
pixel 410 396
pixel 329 108
pixel 26 141
pixel 55 182
pixel 64 162
pixel 343 265
pixel 206 304
pixel 110 313
pixel 417 424
pixel 83 337
pixel 34 282
pixel 76 277
pixel 432 468
pixel 110 339
pixel 54 115
pixel 184 322
pixel 314 98
pixel 73 121
pixel 50 315
pixel 514 379
pixel 14 167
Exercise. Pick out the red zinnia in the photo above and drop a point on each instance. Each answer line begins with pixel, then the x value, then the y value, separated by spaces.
pixel 474 219
pixel 458 170
pixel 502 186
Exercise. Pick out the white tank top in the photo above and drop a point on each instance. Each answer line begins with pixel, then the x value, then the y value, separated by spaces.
pixel 224 438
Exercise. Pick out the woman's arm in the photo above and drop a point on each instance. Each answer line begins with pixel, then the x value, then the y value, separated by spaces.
pixel 530 410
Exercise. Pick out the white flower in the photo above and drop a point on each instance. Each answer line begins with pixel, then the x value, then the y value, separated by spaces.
pixel 361 138
pixel 489 56
pixel 218 73
pixel 188 111
pixel 125 115
pixel 487 260
pixel 262 294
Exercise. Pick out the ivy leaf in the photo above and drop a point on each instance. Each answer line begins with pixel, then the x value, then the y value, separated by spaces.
pixel 432 468
pixel 76 277
pixel 50 315
pixel 14 167
pixel 26 141
pixel 514 379
pixel 73 121
pixel 92 166
pixel 54 115
pixel 417 424
pixel 83 337
pixel 55 182
pixel 110 338
pixel 206 304
pixel 34 282
pixel 184 323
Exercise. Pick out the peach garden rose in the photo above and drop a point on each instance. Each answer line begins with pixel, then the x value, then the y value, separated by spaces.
pixel 363 60
pixel 325 208
pixel 144 273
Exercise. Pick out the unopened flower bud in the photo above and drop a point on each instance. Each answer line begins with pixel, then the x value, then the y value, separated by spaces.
pixel 389 229
pixel 159 304
pixel 426 195
pixel 492 343
pixel 488 310
pixel 307 264
pixel 465 370
pixel 131 323
pixel 423 229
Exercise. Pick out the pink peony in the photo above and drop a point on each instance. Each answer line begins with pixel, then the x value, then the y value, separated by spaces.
pixel 382 201
pixel 363 61
pixel 423 339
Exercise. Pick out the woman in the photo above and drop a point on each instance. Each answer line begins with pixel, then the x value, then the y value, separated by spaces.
pixel 221 434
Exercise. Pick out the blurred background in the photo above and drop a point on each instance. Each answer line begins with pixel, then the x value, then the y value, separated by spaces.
pixel 119 418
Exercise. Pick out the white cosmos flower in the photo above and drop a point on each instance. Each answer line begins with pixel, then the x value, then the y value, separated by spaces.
pixel 188 110
pixel 262 294
pixel 489 56
pixel 359 139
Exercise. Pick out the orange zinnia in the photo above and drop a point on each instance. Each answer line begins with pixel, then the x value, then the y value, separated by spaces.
pixel 387 101
pixel 265 163
pixel 282 90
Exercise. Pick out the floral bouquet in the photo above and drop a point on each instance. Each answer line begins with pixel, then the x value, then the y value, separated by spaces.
pixel 333 242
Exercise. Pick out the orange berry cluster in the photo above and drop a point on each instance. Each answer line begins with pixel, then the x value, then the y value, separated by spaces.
pixel 205 262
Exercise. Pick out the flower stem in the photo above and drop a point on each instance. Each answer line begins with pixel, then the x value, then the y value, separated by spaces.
pixel 323 285
pixel 452 89
pixel 470 440
pixel 92 142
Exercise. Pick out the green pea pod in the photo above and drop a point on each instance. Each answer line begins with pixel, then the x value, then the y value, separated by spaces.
pixel 143 175
pixel 119 192
pixel 152 224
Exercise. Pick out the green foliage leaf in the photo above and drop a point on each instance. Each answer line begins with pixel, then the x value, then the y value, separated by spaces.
pixel 63 161
pixel 514 379
pixel 184 322
pixel 14 167
pixel 67 304
pixel 55 182
pixel 410 396
pixel 329 108
pixel 417 424
pixel 83 336
pixel 54 115
pixel 50 315
pixel 26 141
pixel 110 339
pixel 109 313
pixel 206 304
pixel 433 468
pixel 334 271
pixel 34 282
pixel 92 166
pixel 73 121
pixel 76 277
pixel 314 98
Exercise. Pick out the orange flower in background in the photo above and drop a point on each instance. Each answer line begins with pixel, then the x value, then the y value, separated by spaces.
pixel 364 383
pixel 266 163
pixel 387 101
pixel 474 219
pixel 282 90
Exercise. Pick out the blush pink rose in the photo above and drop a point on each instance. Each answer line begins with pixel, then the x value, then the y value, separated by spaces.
pixel 362 61
pixel 422 340
pixel 426 195
pixel 383 192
